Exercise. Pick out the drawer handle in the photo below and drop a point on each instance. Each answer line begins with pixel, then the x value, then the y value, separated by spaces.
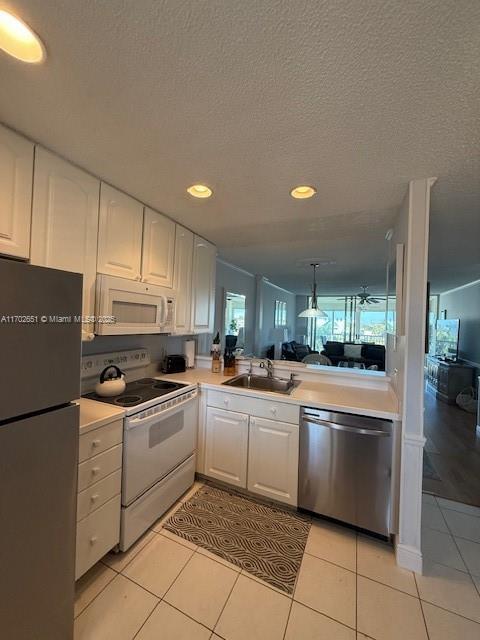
pixel 93 540
pixel 95 470
pixel 94 497
pixel 225 401
pixel 96 443
pixel 273 410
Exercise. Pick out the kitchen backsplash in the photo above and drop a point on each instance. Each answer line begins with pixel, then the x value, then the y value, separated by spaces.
pixel 157 345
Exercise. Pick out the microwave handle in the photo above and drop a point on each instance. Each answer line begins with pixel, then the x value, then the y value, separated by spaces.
pixel 164 312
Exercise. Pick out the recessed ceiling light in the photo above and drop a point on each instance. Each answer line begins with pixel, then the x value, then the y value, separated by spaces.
pixel 18 40
pixel 199 191
pixel 303 191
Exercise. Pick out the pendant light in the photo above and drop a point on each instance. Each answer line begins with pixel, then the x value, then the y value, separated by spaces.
pixel 313 311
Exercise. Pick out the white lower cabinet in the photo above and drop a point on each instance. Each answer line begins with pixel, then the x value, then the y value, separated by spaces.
pixel 99 489
pixel 273 459
pixel 250 451
pixel 96 535
pixel 226 446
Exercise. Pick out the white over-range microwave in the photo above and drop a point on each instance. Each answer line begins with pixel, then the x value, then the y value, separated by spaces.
pixel 130 307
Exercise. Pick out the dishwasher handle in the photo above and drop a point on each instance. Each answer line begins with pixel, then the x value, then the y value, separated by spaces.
pixel 344 427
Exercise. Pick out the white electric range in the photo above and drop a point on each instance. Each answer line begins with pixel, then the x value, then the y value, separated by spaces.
pixel 159 443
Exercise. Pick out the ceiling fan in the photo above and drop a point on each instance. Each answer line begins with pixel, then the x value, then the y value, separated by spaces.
pixel 364 297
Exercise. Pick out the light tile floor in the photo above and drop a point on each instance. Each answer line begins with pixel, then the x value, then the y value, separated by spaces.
pixel 348 588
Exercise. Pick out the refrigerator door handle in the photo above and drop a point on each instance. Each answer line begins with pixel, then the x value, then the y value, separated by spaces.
pixel 343 427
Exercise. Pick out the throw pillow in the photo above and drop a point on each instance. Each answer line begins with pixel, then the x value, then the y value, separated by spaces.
pixel 353 351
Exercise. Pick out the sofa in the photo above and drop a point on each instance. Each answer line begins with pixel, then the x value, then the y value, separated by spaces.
pixel 368 354
pixel 295 351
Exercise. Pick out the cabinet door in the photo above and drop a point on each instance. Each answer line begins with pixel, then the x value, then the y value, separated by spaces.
pixel 273 460
pixel 226 446
pixel 16 170
pixel 183 279
pixel 119 234
pixel 158 249
pixel 203 286
pixel 65 223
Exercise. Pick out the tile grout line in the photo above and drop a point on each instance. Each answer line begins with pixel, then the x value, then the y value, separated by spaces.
pixel 288 619
pixel 187 615
pixel 384 584
pixel 455 613
pixel 95 597
pixel 179 541
pixel 147 618
pixel 132 558
pixel 329 562
pixel 225 604
pixel 162 599
pixel 347 626
pixel 117 573
pixel 458 548
pixel 421 606
pixel 179 573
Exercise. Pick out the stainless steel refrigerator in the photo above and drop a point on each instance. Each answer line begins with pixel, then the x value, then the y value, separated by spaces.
pixel 40 348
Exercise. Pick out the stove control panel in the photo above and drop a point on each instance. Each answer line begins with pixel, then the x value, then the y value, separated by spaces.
pixel 166 405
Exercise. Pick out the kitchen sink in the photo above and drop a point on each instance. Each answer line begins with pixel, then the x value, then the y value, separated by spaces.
pixel 262 383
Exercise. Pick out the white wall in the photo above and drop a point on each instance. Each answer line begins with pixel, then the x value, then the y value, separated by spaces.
pixel 267 294
pixel 236 280
pixel 157 345
pixel 405 365
pixel 464 303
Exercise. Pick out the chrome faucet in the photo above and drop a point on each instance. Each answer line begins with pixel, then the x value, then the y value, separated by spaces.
pixel 268 365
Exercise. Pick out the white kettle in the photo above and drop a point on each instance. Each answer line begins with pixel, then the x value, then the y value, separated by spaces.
pixel 112 382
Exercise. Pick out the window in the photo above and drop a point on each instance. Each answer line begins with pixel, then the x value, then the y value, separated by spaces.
pixel 235 316
pixel 280 313
pixel 347 321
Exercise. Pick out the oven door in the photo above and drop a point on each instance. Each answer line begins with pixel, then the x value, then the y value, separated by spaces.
pixel 155 445
pixel 136 307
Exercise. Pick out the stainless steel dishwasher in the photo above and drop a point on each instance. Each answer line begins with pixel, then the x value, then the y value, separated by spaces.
pixel 345 468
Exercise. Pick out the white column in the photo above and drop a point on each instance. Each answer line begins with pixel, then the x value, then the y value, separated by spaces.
pixel 408 548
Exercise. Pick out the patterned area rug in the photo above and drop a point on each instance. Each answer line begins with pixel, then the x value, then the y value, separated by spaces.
pixel 264 540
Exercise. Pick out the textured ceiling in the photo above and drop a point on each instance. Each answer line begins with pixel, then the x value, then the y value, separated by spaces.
pixel 253 97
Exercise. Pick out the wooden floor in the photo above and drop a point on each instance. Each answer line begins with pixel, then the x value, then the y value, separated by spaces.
pixel 453 448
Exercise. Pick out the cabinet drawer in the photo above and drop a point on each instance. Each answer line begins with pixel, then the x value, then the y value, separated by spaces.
pixel 98 494
pixel 270 409
pixel 98 467
pixel 96 535
pixel 98 440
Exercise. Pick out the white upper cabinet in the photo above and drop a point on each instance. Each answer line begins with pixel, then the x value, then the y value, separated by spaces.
pixel 226 446
pixel 273 459
pixel 119 234
pixel 65 222
pixel 158 249
pixel 203 286
pixel 16 171
pixel 183 280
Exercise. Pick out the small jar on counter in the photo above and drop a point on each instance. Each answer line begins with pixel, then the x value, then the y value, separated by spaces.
pixel 216 364
pixel 229 363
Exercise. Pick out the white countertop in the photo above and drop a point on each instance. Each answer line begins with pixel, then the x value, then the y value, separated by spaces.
pixel 94 414
pixel 377 403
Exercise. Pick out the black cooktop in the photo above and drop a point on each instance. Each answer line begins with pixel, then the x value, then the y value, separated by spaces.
pixel 138 392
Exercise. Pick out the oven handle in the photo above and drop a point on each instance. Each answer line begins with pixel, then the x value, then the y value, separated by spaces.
pixel 131 423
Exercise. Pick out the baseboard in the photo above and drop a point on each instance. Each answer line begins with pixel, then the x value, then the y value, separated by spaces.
pixel 409 557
